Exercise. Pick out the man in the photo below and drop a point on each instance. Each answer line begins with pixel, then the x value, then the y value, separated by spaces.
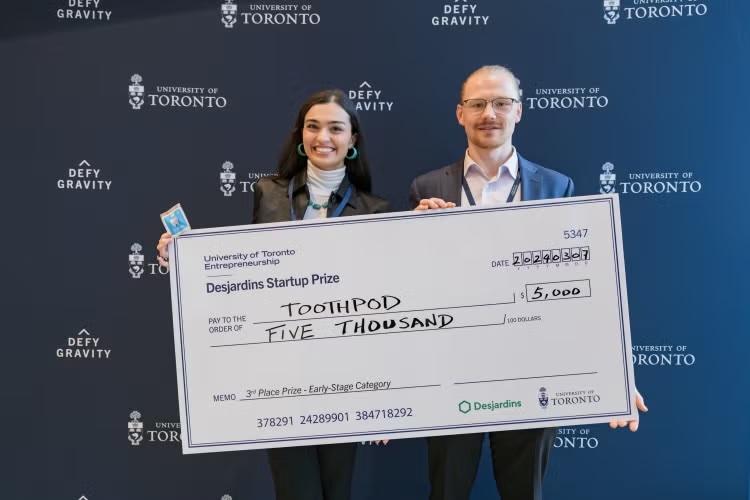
pixel 491 171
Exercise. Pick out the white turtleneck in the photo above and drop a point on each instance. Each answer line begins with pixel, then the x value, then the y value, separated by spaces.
pixel 321 183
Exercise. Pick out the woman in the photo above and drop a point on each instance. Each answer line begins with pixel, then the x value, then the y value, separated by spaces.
pixel 323 172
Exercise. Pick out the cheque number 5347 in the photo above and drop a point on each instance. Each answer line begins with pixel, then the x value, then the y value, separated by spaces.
pixel 570 234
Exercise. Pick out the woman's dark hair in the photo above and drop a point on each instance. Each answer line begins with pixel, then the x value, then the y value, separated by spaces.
pixel 290 163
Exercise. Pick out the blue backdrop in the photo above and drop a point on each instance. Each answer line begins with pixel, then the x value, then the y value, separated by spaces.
pixel 655 89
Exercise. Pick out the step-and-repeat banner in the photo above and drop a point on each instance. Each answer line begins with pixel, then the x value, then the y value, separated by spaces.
pixel 113 110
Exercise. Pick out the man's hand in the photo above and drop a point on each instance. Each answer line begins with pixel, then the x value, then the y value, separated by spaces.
pixel 632 424
pixel 432 203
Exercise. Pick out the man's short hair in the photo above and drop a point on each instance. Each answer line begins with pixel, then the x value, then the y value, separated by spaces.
pixel 492 68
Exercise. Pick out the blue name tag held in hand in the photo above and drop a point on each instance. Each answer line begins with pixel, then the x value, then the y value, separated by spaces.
pixel 175 220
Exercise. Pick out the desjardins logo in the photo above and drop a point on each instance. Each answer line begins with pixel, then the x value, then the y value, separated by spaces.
pixel 468 406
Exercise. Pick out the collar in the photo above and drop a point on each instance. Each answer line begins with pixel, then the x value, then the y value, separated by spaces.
pixel 300 187
pixel 339 194
pixel 325 179
pixel 511 165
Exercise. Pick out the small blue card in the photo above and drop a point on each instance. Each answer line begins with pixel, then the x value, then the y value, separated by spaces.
pixel 175 220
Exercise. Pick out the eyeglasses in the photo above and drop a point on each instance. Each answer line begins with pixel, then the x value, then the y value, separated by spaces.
pixel 501 105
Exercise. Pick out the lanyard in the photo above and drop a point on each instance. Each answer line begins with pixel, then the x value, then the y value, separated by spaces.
pixel 511 196
pixel 336 212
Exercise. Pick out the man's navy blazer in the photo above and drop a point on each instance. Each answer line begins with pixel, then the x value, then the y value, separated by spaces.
pixel 537 183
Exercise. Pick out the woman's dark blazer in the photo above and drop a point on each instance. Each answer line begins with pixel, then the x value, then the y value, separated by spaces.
pixel 271 202
pixel 301 471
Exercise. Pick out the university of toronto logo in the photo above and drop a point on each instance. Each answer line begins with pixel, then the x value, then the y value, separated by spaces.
pixel 653 9
pixel 229 13
pixel 135 91
pixel 174 96
pixel 543 398
pixel 135 261
pixel 607 179
pixel 135 428
pixel 227 179
pixel 268 13
pixel 611 11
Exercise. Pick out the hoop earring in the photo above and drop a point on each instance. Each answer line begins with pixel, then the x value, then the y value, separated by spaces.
pixel 353 155
pixel 300 151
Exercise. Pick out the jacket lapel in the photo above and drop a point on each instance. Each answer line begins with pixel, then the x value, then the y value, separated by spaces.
pixel 531 182
pixel 300 194
pixel 451 182
pixel 352 205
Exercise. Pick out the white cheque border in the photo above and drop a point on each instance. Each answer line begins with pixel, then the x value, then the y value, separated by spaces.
pixel 184 400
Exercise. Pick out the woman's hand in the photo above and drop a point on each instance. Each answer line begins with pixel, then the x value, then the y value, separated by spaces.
pixel 162 250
